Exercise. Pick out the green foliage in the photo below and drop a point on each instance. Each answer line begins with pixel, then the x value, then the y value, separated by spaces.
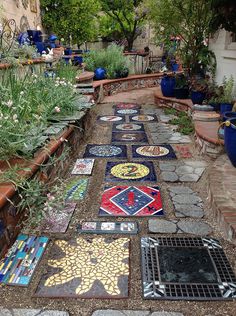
pixel 224 15
pixel 112 59
pixel 26 105
pixel 71 19
pixel 184 122
pixel 189 20
pixel 123 19
pixel 226 95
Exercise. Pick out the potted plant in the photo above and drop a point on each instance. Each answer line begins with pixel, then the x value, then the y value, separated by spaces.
pixel 168 85
pixel 181 90
pixel 198 90
pixel 230 139
pixel 226 97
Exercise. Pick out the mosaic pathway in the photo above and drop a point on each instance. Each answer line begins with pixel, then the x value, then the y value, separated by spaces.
pixel 154 152
pixel 98 227
pixel 127 127
pixel 83 166
pixel 76 189
pixel 129 137
pixel 106 151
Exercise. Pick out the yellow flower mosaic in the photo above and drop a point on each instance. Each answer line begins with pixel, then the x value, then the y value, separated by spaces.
pixel 130 171
pixel 91 260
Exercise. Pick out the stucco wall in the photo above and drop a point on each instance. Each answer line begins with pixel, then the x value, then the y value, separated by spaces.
pixel 13 9
pixel 225 51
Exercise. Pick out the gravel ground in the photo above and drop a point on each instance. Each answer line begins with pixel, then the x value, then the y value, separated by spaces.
pixel 87 210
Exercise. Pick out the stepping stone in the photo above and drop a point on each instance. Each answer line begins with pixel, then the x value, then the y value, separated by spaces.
pixel 31 312
pixel 185 171
pixel 178 226
pixel 154 152
pixel 128 127
pixel 129 137
pixel 126 111
pixel 143 118
pixel 135 201
pixel 105 151
pixel 110 312
pixel 87 268
pixel 186 202
pixel 83 166
pixel 186 268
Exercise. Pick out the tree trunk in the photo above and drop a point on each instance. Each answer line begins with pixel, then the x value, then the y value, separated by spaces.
pixel 130 43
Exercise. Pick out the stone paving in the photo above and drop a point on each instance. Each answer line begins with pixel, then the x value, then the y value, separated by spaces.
pixel 133 313
pixel 186 202
pixel 178 227
pixel 31 312
pixel 185 171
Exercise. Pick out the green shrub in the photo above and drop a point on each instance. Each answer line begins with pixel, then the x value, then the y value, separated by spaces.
pixel 111 58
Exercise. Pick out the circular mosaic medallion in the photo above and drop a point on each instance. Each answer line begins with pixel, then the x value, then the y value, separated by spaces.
pixel 129 127
pixel 106 150
pixel 152 151
pixel 126 106
pixel 127 111
pixel 111 118
pixel 143 118
pixel 130 171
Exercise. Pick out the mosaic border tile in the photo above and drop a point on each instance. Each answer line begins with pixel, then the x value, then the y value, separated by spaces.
pixel 20 262
pixel 99 227
pixel 170 155
pixel 121 148
pixel 115 129
pixel 132 137
pixel 83 166
pixel 131 201
pixel 76 189
pixel 152 270
pixel 147 167
pixel 97 267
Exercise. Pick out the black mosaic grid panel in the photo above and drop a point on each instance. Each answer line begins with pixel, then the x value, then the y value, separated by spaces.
pixel 223 287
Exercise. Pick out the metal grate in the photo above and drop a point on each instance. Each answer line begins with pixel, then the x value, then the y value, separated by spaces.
pixel 168 275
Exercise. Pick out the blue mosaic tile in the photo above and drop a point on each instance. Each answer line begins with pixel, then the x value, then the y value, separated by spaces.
pixel 130 171
pixel 20 262
pixel 129 137
pixel 106 151
pixel 126 106
pixel 146 118
pixel 153 152
pixel 128 127
pixel 110 118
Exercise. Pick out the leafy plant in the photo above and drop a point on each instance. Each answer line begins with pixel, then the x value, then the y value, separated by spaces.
pixel 227 90
pixel 181 81
pixel 184 122
pixel 112 59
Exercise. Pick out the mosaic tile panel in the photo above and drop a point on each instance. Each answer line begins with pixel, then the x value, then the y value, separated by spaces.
pixel 76 189
pixel 153 151
pixel 106 151
pixel 87 268
pixel 127 106
pixel 57 220
pixel 129 137
pixel 97 227
pixel 131 201
pixel 148 118
pixel 126 111
pixel 128 127
pixel 186 268
pixel 111 118
pixel 130 171
pixel 21 260
pixel 83 166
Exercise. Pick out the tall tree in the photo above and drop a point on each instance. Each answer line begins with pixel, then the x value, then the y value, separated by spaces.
pixel 190 21
pixel 123 18
pixel 71 19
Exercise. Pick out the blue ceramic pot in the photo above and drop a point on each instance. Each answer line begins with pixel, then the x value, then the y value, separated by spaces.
pixel 68 51
pixel 175 67
pixel 216 106
pixel 225 107
pixel 167 86
pixel 230 140
pixel 197 97
pixel 229 115
pixel 100 74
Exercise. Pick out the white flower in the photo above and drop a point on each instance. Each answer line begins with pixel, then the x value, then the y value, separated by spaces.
pixel 14 117
pixel 22 92
pixel 57 109
pixel 9 103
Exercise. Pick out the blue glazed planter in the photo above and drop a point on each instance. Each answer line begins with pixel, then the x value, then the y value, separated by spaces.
pixel 167 86
pixel 230 140
pixel 175 67
pixel 197 97
pixel 225 107
pixel 229 115
pixel 100 74
pixel 216 106
pixel 68 51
